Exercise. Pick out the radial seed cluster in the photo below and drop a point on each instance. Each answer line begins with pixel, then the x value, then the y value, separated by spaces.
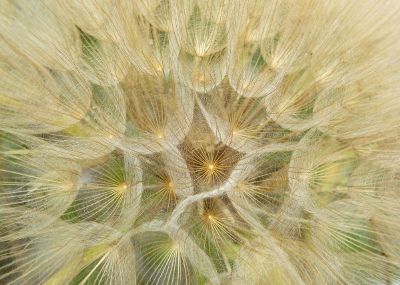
pixel 199 142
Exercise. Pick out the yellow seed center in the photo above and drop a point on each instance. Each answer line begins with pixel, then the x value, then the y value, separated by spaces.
pixel 122 187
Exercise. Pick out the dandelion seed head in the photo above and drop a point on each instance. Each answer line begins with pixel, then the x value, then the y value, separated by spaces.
pixel 199 142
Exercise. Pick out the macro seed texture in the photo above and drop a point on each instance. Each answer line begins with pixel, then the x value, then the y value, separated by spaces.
pixel 199 142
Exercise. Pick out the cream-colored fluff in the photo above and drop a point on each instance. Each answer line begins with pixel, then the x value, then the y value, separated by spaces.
pixel 199 142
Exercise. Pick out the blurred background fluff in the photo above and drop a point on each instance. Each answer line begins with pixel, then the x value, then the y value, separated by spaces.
pixel 199 142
